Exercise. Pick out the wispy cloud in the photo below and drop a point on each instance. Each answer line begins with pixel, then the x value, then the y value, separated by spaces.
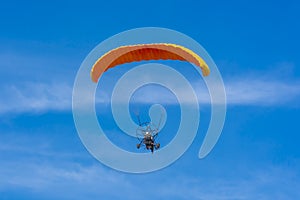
pixel 35 97
pixel 74 180
pixel 40 169
pixel 262 91
pixel 34 80
pixel 43 178
pixel 253 89
pixel 34 164
pixel 255 184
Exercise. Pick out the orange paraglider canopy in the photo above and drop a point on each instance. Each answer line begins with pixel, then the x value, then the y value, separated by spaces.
pixel 140 52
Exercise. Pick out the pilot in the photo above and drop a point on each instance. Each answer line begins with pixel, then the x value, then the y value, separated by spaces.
pixel 148 141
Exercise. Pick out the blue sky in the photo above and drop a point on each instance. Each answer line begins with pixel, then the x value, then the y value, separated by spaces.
pixel 255 45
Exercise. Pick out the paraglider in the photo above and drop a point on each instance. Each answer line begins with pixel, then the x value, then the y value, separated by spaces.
pixel 144 52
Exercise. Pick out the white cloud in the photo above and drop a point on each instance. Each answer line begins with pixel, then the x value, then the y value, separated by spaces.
pixel 262 91
pixel 254 184
pixel 71 177
pixel 30 162
pixel 73 180
pixel 69 180
pixel 245 90
pixel 35 97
